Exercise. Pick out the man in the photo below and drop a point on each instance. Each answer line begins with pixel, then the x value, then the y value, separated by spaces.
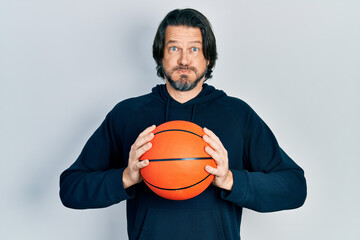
pixel 252 170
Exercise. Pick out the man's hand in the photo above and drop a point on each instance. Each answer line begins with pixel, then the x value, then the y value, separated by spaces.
pixel 223 176
pixel 131 174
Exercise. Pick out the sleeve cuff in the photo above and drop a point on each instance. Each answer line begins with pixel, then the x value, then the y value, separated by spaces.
pixel 238 193
pixel 118 192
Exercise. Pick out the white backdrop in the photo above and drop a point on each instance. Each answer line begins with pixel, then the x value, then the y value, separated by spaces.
pixel 65 64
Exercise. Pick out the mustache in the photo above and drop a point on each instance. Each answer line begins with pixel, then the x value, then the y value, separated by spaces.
pixel 184 67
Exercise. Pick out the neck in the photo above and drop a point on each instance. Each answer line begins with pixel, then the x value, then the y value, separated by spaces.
pixel 183 97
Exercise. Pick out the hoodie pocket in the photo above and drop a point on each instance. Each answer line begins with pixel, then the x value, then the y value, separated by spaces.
pixel 182 224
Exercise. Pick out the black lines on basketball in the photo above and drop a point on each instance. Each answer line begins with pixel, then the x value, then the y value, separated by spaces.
pixel 174 189
pixel 178 130
pixel 179 159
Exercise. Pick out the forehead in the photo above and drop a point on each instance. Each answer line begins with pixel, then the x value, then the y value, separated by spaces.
pixel 182 34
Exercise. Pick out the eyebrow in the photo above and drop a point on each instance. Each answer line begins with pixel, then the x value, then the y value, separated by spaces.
pixel 174 41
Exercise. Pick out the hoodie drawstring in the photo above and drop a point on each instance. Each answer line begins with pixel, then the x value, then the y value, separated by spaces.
pixel 193 112
pixel 167 110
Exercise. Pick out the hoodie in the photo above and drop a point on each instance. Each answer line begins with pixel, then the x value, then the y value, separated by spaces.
pixel 266 179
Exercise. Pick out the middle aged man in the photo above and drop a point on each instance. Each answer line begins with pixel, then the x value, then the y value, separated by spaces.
pixel 252 170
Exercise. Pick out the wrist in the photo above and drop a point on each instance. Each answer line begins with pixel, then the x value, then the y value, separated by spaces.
pixel 126 179
pixel 229 181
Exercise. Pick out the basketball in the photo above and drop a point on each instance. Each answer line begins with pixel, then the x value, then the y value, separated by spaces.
pixel 177 161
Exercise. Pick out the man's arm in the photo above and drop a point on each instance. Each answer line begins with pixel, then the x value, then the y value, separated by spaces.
pixel 94 180
pixel 100 177
pixel 273 182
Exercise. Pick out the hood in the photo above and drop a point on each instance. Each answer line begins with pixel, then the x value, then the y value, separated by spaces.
pixel 207 94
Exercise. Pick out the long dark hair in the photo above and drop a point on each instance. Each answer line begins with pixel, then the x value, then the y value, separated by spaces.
pixel 191 18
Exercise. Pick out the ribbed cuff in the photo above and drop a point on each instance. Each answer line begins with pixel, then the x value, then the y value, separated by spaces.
pixel 238 193
pixel 118 193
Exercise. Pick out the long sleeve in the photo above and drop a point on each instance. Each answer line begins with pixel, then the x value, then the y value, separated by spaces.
pixel 271 180
pixel 95 179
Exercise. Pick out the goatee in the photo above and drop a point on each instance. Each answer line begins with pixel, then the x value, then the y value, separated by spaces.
pixel 184 84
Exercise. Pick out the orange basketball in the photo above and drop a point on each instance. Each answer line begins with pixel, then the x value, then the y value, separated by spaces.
pixel 177 161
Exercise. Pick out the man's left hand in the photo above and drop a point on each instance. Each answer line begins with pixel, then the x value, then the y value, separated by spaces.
pixel 223 176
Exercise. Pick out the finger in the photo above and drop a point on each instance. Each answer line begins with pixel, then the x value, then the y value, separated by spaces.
pixel 211 170
pixel 209 132
pixel 142 164
pixel 140 151
pixel 214 155
pixel 143 140
pixel 213 143
pixel 147 130
pixel 213 136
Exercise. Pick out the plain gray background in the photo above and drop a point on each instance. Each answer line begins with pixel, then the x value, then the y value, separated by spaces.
pixel 65 64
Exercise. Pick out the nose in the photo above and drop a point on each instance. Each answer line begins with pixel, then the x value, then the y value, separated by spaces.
pixel 184 58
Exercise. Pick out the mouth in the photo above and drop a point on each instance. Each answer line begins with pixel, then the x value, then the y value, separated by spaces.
pixel 182 71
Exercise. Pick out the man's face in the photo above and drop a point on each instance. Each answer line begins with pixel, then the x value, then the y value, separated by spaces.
pixel 184 63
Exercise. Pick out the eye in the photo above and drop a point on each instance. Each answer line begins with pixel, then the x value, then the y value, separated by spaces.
pixel 173 49
pixel 195 49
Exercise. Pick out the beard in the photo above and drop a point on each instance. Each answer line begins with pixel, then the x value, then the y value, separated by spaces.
pixel 184 83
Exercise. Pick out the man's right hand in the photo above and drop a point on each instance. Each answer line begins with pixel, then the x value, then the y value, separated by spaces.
pixel 131 174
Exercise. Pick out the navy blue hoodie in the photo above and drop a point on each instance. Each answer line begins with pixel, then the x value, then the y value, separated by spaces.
pixel 265 178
